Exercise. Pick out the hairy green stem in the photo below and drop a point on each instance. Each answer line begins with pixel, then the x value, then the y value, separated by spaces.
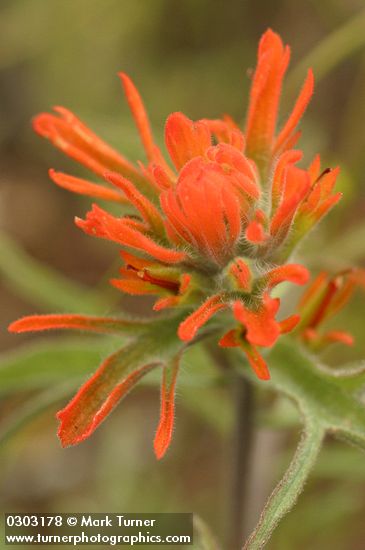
pixel 285 494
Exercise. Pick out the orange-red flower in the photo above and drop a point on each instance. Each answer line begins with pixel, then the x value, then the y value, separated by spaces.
pixel 323 299
pixel 261 126
pixel 211 230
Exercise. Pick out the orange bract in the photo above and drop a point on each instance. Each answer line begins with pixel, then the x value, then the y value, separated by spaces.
pixel 323 299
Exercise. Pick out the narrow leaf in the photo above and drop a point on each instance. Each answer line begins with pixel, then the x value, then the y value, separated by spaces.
pixel 43 286
pixel 97 398
pixel 115 378
pixel 351 378
pixel 204 538
pixel 32 408
pixel 340 44
pixel 288 489
pixel 41 363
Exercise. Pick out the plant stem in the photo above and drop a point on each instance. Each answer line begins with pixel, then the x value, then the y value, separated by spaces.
pixel 286 493
pixel 241 449
pixel 241 460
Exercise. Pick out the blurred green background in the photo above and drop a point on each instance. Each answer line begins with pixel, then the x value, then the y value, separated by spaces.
pixel 191 56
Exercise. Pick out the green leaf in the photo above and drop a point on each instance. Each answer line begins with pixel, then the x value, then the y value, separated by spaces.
pixel 317 392
pixel 115 377
pixel 33 408
pixel 330 52
pixel 41 364
pixel 203 537
pixel 55 365
pixel 46 362
pixel 44 286
pixel 351 377
pixel 288 489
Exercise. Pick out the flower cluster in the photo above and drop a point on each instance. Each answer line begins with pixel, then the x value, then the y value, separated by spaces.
pixel 210 235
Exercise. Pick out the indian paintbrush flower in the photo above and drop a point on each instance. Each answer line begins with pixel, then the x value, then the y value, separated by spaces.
pixel 211 234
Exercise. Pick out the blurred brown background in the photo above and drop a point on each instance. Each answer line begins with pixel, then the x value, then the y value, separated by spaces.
pixel 190 56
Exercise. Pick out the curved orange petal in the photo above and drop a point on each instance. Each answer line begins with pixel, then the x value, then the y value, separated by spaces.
pixel 35 323
pixel 297 112
pixel 190 326
pixel 85 187
pixel 261 327
pixel 185 139
pixel 273 59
